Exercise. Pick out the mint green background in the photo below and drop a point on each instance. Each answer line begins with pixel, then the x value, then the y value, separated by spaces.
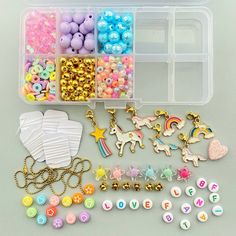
pixel 220 113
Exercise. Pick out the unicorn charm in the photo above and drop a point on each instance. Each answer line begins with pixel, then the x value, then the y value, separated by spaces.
pixel 159 145
pixel 187 155
pixel 123 138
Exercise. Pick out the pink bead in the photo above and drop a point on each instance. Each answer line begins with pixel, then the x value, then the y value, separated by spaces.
pixel 106 58
pixel 121 81
pixel 109 91
pixel 114 95
pixel 54 200
pixel 70 218
pixel 115 76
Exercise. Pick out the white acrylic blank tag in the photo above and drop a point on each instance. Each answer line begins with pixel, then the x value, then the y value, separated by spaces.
pixel 73 131
pixel 57 150
pixel 31 120
pixel 51 120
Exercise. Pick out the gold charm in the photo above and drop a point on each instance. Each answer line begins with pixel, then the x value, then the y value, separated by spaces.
pixel 198 129
pixel 115 186
pixel 103 186
pixel 158 187
pixel 124 137
pixel 98 134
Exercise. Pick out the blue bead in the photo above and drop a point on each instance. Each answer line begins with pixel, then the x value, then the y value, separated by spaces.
pixel 116 49
pixel 102 37
pixel 108 48
pixel 108 15
pixel 120 27
pixel 123 45
pixel 41 199
pixel 111 27
pixel 41 219
pixel 114 37
pixel 102 26
pixel 127 51
pixel 127 37
pixel 127 19
pixel 117 18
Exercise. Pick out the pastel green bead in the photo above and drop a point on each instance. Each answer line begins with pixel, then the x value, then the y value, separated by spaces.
pixel 89 203
pixel 31 212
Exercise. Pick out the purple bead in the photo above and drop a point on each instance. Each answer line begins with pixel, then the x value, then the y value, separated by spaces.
pixel 74 27
pixel 57 223
pixel 70 50
pixel 89 24
pixel 89 44
pixel 78 18
pixel 82 29
pixel 65 41
pixel 89 15
pixel 65 27
pixel 78 35
pixel 76 43
pixel 69 36
pixel 67 17
pixel 83 50
pixel 89 36
pixel 84 217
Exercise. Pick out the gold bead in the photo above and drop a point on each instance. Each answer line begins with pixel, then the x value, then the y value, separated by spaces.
pixel 64 95
pixel 88 77
pixel 86 87
pixel 80 72
pixel 81 79
pixel 92 83
pixel 158 187
pixel 80 60
pixel 69 64
pixel 63 61
pixel 63 88
pixel 76 93
pixel 79 89
pixel 87 61
pixel 137 187
pixel 85 94
pixel 126 186
pixel 74 71
pixel 70 89
pixel 115 186
pixel 103 186
pixel 75 83
pixel 75 60
pixel 149 187
pixel 70 82
pixel 66 76
pixel 81 98
pixel 64 69
pixel 92 95
pixel 63 82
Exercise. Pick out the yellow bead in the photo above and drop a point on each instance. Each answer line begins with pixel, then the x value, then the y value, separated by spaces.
pixel 28 77
pixel 66 201
pixel 81 98
pixel 75 60
pixel 42 99
pixel 85 94
pixel 53 76
pixel 27 201
pixel 92 83
pixel 92 95
pixel 30 97
pixel 70 82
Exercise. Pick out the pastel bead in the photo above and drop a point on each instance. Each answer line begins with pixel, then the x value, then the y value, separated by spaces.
pixel 89 44
pixel 65 27
pixel 89 24
pixel 103 38
pixel 175 191
pixel 201 183
pixel 121 204
pixel 78 198
pixel 41 199
pixel 166 205
pixel 202 216
pixel 66 17
pixel 71 218
pixel 57 223
pixel 214 197
pixel 190 191
pixel 217 210
pixel 84 217
pixel 147 204
pixel 213 187
pixel 78 18
pixel 102 26
pixel 66 201
pixel 76 43
pixel 74 28
pixel 54 200
pixel 51 211
pixel 199 202
pixel 89 203
pixel 31 212
pixel 107 205
pixel 27 201
pixel 80 36
pixel 186 208
pixel 134 204
pixel 185 224
pixel 41 219
pixel 108 15
pixel 168 217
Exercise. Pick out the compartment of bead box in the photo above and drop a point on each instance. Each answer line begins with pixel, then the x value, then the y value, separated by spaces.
pixel 164 41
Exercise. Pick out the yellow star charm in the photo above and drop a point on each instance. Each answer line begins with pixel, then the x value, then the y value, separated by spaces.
pixel 98 133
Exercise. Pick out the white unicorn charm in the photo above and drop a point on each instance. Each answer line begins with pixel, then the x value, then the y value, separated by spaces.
pixel 159 145
pixel 187 155
pixel 138 121
pixel 123 138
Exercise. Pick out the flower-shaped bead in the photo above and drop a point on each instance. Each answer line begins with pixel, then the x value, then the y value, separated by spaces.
pixel 116 173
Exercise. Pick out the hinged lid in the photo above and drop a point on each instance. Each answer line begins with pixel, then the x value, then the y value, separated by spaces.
pixel 116 2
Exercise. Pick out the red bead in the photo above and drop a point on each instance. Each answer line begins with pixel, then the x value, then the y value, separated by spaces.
pixel 51 211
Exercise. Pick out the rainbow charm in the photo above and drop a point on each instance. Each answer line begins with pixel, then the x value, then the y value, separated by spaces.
pixel 197 131
pixel 170 122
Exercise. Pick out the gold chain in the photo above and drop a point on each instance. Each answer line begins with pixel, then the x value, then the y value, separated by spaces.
pixel 113 120
pixel 46 177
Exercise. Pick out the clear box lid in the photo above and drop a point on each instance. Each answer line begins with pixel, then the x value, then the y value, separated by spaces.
pixel 117 3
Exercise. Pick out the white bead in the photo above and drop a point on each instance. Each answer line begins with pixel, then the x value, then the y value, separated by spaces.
pixel 199 202
pixel 175 191
pixel 107 205
pixel 185 224
pixel 202 216
pixel 186 208
pixel 201 183
pixel 134 204
pixel 166 205
pixel 190 191
pixel 121 204
pixel 214 197
pixel 213 187
pixel 147 204
pixel 217 210
pixel 168 217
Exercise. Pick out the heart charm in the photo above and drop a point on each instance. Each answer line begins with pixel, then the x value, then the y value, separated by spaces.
pixel 216 150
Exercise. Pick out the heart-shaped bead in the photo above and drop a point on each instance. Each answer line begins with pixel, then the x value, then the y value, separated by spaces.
pixel 216 150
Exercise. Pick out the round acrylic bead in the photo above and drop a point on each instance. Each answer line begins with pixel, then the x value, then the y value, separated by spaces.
pixel 66 201
pixel 89 24
pixel 41 219
pixel 217 210
pixel 89 44
pixel 66 17
pixel 78 18
pixel 107 205
pixel 51 211
pixel 74 28
pixel 213 187
pixel 186 208
pixel 78 198
pixel 199 202
pixel 190 191
pixel 54 200
pixel 82 29
pixel 147 204
pixel 41 199
pixel 134 204
pixel 127 37
pixel 185 224
pixel 108 15
pixel 84 217
pixel 79 35
pixel 201 183
pixel 27 201
pixel 121 204
pixel 31 212
pixel 76 43
pixel 127 19
pixel 70 218
pixel 102 26
pixel 114 37
pixel 65 27
pixel 102 37
pixel 168 217
pixel 166 205
pixel 214 197
pixel 175 191
pixel 57 223
pixel 89 203
pixel 202 216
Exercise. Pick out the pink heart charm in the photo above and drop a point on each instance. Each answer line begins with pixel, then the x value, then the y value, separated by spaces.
pixel 216 150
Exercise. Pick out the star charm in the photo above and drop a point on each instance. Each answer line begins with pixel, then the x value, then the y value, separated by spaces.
pixel 98 133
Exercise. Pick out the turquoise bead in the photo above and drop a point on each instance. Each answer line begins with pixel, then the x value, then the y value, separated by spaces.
pixel 108 48
pixel 116 49
pixel 102 37
pixel 127 19
pixel 108 15
pixel 41 219
pixel 114 36
pixel 127 37
pixel 102 26
pixel 41 199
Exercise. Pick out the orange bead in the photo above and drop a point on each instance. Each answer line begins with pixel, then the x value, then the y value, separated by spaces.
pixel 77 198
pixel 115 84
pixel 89 189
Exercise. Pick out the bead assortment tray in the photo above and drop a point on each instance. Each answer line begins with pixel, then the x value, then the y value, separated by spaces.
pixel 172 54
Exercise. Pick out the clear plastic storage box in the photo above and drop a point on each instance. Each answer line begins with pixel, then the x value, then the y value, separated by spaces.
pixel 171 52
